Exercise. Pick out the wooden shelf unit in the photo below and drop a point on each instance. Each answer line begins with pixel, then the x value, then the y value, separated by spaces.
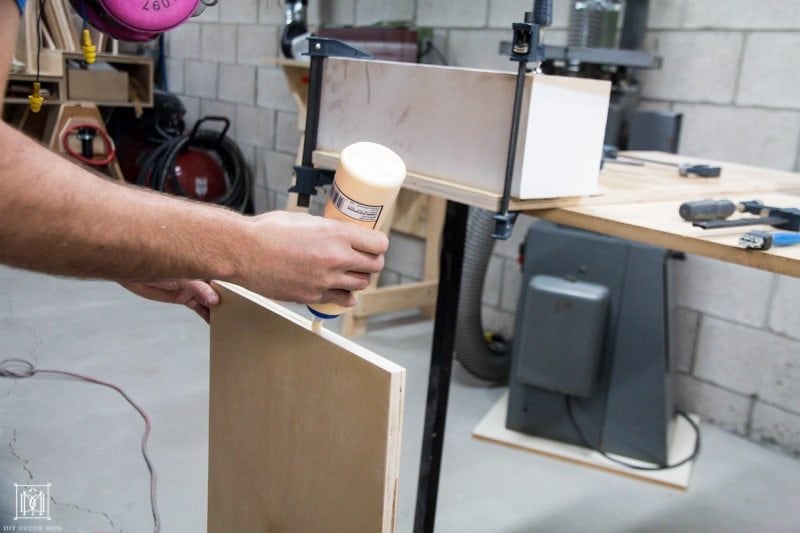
pixel 139 70
pixel 20 86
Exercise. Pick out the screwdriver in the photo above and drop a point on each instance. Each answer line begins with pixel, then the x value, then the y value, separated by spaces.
pixel 684 169
pixel 764 240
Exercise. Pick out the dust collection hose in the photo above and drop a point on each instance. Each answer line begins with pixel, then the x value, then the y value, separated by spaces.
pixel 471 348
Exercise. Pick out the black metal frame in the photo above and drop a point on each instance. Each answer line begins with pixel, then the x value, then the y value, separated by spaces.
pixel 527 48
pixel 308 178
pixel 444 335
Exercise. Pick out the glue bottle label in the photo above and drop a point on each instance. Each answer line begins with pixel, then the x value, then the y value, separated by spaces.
pixel 352 209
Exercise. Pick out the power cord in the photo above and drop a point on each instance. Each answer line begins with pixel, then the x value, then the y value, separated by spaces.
pixel 691 457
pixel 158 167
pixel 35 99
pixel 20 368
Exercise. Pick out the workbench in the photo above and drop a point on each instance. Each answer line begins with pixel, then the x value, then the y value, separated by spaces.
pixel 639 203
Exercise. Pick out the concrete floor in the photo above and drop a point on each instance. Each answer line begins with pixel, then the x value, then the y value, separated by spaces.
pixel 84 439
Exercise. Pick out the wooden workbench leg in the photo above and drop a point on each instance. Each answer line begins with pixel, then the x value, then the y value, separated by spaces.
pixel 353 324
pixel 433 243
pixel 356 326
pixel 115 170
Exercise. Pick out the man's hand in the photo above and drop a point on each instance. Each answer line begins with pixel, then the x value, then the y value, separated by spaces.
pixel 195 294
pixel 96 229
pixel 308 259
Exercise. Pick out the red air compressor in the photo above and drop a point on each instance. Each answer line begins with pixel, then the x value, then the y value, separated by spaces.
pixel 203 165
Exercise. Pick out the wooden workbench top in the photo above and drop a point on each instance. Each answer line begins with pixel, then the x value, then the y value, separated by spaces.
pixel 658 224
pixel 641 204
pixel 617 184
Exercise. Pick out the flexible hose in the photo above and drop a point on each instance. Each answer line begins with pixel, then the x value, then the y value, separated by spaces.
pixel 471 348
pixel 158 168
pixel 95 162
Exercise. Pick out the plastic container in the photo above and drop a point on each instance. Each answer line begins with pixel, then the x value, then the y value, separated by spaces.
pixel 365 187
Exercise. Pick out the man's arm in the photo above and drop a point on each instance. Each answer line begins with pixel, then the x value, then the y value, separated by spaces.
pixel 56 217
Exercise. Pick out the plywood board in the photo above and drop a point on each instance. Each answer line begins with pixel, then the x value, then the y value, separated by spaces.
pixel 658 224
pixel 492 428
pixel 618 184
pixel 454 123
pixel 304 427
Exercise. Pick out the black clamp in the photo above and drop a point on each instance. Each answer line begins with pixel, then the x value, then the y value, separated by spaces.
pixel 308 178
pixel 714 214
pixel 526 47
pixel 306 181
pixel 526 43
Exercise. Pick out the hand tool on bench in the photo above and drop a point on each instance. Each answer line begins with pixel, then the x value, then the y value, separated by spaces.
pixel 713 214
pixel 701 170
pixel 764 240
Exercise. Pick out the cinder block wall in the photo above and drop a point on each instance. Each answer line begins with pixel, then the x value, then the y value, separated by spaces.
pixel 729 65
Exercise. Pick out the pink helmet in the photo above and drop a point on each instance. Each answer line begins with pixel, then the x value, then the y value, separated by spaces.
pixel 135 20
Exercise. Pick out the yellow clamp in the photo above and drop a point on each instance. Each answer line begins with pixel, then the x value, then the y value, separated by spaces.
pixel 35 100
pixel 89 50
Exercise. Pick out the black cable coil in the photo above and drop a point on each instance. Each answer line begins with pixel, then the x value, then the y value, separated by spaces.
pixel 158 168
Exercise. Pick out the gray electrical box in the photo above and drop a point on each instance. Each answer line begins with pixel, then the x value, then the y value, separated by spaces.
pixel 562 347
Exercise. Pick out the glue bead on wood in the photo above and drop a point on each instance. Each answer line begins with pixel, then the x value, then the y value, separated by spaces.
pixel 364 189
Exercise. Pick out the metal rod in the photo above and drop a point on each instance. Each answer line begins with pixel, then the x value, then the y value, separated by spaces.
pixel 312 110
pixel 512 142
pixel 451 261
pixel 312 119
pixel 652 161
pixel 634 25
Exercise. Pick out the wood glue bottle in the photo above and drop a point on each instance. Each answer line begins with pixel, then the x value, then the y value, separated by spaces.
pixel 364 189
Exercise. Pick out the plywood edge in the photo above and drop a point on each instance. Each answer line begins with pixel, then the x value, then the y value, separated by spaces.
pixel 396 413
pixel 273 306
pixel 433 186
pixel 598 87
pixel 492 429
pixel 398 65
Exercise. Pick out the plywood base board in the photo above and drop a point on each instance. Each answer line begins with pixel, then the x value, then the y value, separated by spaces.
pixel 492 428
pixel 304 427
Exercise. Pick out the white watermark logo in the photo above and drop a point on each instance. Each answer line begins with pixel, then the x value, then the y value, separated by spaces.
pixel 33 502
